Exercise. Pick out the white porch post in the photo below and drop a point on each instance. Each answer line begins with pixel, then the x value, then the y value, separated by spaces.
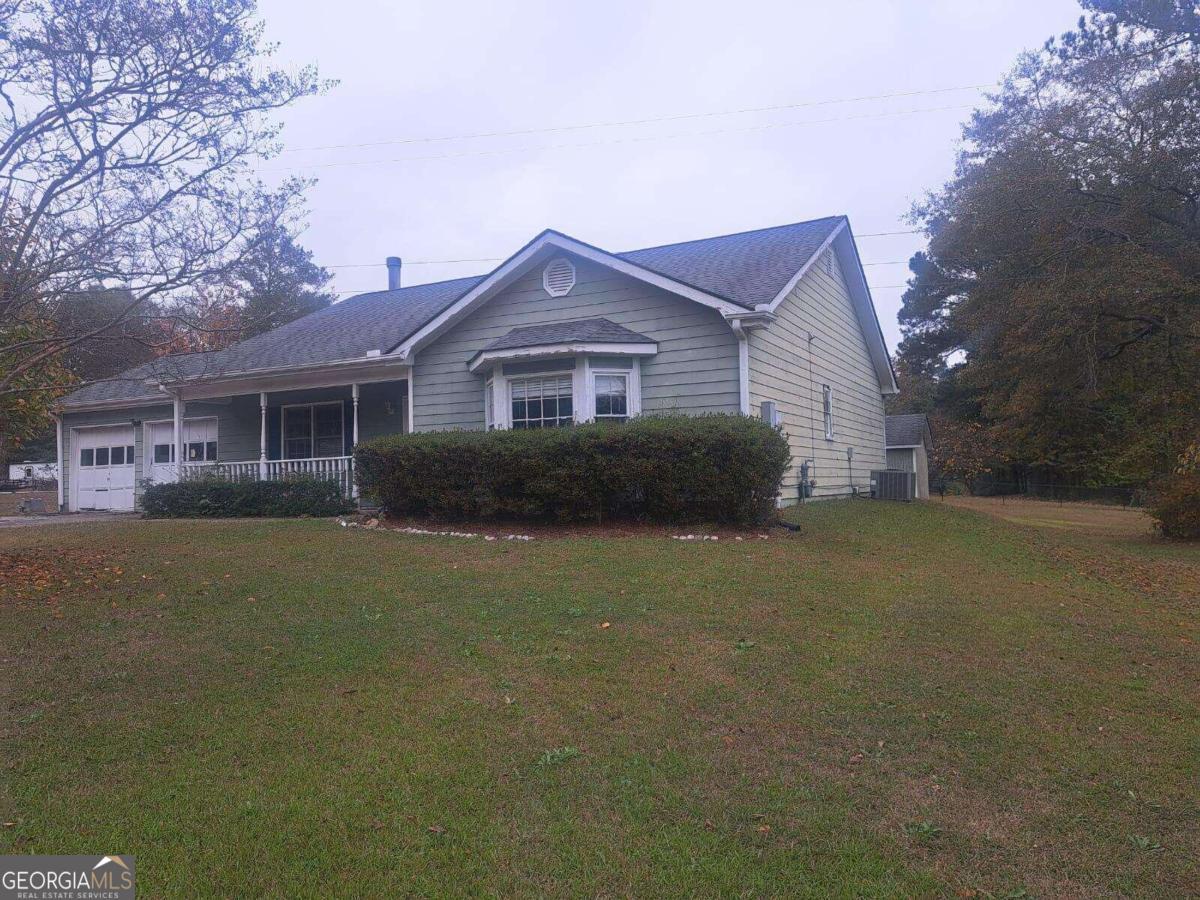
pixel 62 460
pixel 178 436
pixel 262 436
pixel 350 468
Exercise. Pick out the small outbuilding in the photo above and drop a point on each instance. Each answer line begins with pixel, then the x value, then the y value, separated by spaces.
pixel 909 442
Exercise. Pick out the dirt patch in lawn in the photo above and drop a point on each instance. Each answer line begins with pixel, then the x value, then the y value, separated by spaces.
pixel 1088 518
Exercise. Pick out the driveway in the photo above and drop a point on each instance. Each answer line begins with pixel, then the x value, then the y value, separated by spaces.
pixel 65 519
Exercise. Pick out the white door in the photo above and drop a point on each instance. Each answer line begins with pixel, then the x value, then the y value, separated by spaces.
pixel 102 468
pixel 199 446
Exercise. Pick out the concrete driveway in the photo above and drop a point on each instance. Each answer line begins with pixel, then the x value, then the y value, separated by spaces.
pixel 65 519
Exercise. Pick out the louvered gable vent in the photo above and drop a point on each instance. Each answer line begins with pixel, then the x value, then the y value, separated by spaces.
pixel 559 277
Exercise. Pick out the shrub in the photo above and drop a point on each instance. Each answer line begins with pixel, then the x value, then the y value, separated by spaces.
pixel 1175 501
pixel 215 498
pixel 715 468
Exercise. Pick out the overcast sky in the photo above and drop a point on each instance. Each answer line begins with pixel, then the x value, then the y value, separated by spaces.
pixel 415 71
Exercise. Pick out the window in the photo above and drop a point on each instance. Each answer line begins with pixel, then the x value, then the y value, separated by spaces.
pixel 118 456
pixel 489 405
pixel 543 402
pixel 201 451
pixel 612 397
pixel 827 405
pixel 102 456
pixel 312 431
pixel 164 453
pixel 129 456
pixel 87 457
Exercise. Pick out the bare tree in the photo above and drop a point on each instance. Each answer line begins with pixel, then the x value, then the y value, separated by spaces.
pixel 129 130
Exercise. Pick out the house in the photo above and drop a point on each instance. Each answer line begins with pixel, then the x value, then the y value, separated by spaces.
pixel 29 470
pixel 909 443
pixel 776 322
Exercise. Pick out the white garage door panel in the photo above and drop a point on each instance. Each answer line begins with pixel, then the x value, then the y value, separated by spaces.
pixel 102 468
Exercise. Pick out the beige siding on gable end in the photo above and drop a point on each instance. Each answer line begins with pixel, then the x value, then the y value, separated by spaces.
pixel 695 370
pixel 781 358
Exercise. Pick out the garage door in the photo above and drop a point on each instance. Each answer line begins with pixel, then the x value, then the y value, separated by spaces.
pixel 102 468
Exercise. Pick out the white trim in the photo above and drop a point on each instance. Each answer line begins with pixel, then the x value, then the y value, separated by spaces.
pixel 408 400
pixel 177 434
pixel 841 241
pixel 58 455
pixel 804 270
pixel 483 358
pixel 361 371
pixel 633 390
pixel 743 339
pixel 902 446
pixel 538 376
pixel 508 271
pixel 263 405
pixel 312 425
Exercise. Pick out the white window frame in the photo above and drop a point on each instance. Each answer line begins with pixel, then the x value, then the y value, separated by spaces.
pixel 827 410
pixel 633 389
pixel 540 376
pixel 489 404
pixel 312 429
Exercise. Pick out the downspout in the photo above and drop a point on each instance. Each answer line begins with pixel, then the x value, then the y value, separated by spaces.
pixel 743 338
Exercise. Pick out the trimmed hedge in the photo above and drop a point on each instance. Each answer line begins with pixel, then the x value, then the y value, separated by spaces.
pixel 715 468
pixel 213 498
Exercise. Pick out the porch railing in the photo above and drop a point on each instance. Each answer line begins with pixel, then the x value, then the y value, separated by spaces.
pixel 331 468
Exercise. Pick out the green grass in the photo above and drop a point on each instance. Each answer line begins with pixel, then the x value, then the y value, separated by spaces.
pixel 897 701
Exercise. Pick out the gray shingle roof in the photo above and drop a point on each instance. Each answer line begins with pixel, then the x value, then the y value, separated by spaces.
pixel 748 268
pixel 596 331
pixel 906 431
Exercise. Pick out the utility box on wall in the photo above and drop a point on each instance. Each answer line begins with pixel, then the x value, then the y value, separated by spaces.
pixel 892 484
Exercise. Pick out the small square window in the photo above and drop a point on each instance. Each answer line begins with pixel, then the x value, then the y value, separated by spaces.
pixel 118 456
pixel 162 453
pixel 195 451
pixel 87 457
pixel 129 456
pixel 102 456
pixel 210 451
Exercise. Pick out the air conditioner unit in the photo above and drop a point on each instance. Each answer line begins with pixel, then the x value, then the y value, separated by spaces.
pixel 893 484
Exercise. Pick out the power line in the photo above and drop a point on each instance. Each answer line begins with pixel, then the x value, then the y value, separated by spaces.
pixel 484 259
pixel 622 123
pixel 632 140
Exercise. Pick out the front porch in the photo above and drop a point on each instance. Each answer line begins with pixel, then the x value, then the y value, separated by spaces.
pixel 274 435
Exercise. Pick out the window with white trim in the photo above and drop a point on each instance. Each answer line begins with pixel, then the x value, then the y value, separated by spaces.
pixel 489 405
pixel 313 431
pixel 541 402
pixel 612 396
pixel 827 407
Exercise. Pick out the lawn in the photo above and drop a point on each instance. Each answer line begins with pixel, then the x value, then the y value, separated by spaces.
pixel 900 700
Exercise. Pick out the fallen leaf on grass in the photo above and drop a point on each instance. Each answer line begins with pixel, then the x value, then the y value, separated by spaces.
pixel 437 829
